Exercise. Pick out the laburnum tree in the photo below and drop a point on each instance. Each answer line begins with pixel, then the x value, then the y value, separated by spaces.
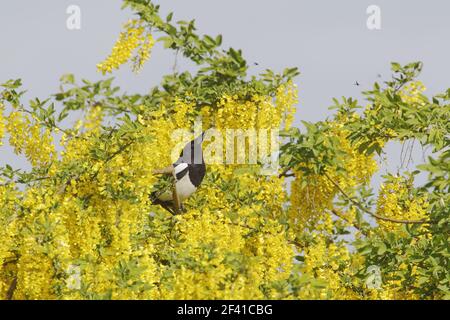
pixel 80 223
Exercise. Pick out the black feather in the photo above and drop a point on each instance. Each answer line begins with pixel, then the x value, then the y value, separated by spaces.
pixel 192 155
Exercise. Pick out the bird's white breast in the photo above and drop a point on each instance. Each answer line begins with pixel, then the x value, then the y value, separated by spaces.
pixel 184 187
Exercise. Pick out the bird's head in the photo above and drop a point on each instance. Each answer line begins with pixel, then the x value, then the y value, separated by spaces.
pixel 192 152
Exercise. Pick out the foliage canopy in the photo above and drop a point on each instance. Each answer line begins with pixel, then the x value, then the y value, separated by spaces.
pixel 80 225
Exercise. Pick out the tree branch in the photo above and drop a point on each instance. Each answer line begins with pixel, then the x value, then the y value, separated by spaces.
pixel 286 174
pixel 360 206
pixel 11 289
pixel 357 227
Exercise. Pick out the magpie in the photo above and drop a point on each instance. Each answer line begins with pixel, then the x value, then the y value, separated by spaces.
pixel 182 177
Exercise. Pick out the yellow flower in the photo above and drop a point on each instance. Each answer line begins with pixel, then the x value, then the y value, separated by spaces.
pixel 2 124
pixel 132 38
pixel 31 139
pixel 395 201
pixel 411 93
pixel 143 53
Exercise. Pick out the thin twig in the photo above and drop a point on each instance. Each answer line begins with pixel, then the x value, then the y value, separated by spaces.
pixel 175 63
pixel 286 174
pixel 11 289
pixel 356 226
pixel 50 125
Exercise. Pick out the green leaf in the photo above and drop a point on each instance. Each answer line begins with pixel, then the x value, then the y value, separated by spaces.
pixel 381 248
pixel 169 17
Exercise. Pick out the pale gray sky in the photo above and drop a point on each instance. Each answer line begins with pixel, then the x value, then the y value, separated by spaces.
pixel 327 40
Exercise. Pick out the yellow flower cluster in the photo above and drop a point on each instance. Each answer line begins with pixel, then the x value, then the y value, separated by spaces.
pixel 326 264
pixel 311 197
pixel 39 147
pixel 133 37
pixel 94 119
pixel 259 112
pixel 183 111
pixel 28 138
pixel 411 93
pixel 143 53
pixel 329 263
pixel 67 232
pixel 17 126
pixel 286 100
pixel 2 124
pixel 228 264
pixel 395 201
pixel 9 228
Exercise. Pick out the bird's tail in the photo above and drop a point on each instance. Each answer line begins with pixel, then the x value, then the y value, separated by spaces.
pixel 167 205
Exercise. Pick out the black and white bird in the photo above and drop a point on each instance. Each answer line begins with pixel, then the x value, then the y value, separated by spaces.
pixel 186 175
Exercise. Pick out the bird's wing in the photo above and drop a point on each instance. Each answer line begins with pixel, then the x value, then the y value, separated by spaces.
pixel 164 184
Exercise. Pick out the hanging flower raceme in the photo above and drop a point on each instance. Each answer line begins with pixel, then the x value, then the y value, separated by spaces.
pixel 17 127
pixel 30 138
pixel 411 93
pixel 134 37
pixel 312 195
pixel 395 201
pixel 143 53
pixel 2 123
